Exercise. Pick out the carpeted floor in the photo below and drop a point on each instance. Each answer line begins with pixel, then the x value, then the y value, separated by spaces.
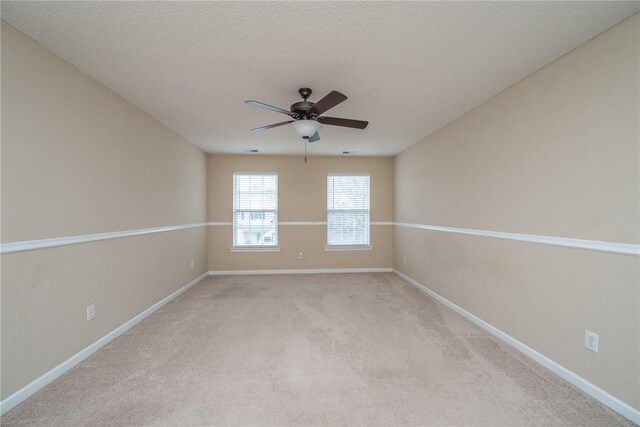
pixel 331 349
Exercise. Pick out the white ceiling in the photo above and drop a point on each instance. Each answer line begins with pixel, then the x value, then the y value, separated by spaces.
pixel 408 68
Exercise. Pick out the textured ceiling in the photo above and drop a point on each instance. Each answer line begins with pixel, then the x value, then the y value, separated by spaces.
pixel 408 68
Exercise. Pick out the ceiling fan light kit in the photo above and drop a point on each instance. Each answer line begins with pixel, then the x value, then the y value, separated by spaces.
pixel 306 128
pixel 307 116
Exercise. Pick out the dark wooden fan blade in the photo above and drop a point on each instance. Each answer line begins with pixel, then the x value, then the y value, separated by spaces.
pixel 315 137
pixel 347 123
pixel 325 104
pixel 268 107
pixel 275 125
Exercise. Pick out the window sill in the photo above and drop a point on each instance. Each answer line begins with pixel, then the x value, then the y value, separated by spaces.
pixel 255 249
pixel 348 248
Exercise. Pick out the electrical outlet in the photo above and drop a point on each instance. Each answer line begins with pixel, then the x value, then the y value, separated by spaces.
pixel 192 264
pixel 591 341
pixel 405 260
pixel 300 255
pixel 91 312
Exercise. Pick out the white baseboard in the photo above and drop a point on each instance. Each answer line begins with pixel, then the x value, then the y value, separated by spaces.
pixel 28 390
pixel 300 271
pixel 592 390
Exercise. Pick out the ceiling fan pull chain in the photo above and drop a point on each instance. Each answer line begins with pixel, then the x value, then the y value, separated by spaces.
pixel 305 150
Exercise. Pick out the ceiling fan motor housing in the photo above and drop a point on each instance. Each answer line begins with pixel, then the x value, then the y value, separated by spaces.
pixel 301 107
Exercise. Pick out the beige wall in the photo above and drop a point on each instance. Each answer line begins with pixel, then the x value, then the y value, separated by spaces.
pixel 79 159
pixel 557 154
pixel 302 197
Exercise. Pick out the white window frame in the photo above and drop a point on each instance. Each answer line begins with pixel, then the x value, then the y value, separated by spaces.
pixel 339 247
pixel 251 248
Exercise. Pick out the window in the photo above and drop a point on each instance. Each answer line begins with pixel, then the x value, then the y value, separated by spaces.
pixel 255 210
pixel 347 210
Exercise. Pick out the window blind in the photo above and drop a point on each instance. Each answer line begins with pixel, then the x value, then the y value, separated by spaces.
pixel 255 209
pixel 347 210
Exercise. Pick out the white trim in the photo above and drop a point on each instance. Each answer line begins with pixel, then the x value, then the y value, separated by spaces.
pixel 299 271
pixel 337 248
pixel 223 223
pixel 255 249
pixel 593 245
pixel 256 173
pixel 303 223
pixel 592 390
pixel 19 396
pixel 348 174
pixel 28 245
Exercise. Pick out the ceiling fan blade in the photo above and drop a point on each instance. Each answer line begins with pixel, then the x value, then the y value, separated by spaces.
pixel 347 123
pixel 268 107
pixel 275 125
pixel 325 104
pixel 315 137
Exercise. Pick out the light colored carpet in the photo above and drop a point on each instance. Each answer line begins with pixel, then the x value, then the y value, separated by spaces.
pixel 332 349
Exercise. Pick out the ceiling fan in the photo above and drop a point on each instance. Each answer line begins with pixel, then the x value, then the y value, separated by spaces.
pixel 307 116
